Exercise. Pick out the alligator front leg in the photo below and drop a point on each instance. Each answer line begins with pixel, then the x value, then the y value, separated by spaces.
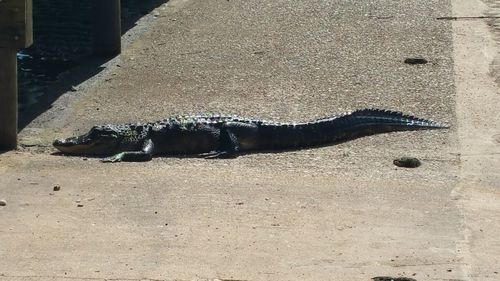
pixel 232 136
pixel 145 154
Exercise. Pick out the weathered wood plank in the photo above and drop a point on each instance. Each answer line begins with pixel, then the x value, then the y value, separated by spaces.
pixel 8 99
pixel 16 27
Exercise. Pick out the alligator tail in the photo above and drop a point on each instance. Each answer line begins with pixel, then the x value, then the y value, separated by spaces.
pixel 346 127
pixel 393 120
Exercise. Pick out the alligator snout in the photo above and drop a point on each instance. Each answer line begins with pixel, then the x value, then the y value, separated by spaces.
pixel 65 142
pixel 69 145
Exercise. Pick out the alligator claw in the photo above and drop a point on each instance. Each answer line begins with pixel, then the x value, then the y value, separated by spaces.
pixel 110 160
pixel 210 155
pixel 217 155
pixel 113 159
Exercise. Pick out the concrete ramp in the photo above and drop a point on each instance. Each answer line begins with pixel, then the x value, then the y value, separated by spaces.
pixel 342 212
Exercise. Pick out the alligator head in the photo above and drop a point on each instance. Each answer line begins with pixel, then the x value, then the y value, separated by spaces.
pixel 100 140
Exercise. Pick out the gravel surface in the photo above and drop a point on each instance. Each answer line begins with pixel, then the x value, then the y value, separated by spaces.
pixel 287 63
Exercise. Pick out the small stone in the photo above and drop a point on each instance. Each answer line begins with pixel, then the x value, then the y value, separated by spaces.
pixel 57 188
pixel 79 205
pixel 3 203
pixel 416 60
pixel 407 162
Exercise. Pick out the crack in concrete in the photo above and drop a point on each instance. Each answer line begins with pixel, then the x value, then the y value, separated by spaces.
pixel 36 277
pixel 109 279
pixel 468 18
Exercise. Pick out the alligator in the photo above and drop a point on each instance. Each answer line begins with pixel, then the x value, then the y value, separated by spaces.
pixel 223 136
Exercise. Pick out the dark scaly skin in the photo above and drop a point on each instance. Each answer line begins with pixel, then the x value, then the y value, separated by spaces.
pixel 216 136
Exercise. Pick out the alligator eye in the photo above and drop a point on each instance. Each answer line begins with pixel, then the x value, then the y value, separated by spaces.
pixel 92 132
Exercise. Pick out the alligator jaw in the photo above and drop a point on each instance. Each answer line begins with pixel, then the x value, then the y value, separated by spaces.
pixel 73 145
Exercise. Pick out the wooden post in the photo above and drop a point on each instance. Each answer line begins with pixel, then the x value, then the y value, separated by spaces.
pixel 15 33
pixel 8 99
pixel 107 27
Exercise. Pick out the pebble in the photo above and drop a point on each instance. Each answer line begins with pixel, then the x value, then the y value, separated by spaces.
pixel 57 188
pixel 3 203
pixel 416 60
pixel 407 162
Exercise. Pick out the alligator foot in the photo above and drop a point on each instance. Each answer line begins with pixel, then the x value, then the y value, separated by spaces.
pixel 113 159
pixel 129 156
pixel 218 155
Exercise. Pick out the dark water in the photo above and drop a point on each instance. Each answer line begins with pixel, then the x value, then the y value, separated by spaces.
pixel 35 74
pixel 62 31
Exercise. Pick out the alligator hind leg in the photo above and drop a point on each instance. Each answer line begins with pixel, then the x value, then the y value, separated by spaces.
pixel 233 139
pixel 229 146
pixel 145 154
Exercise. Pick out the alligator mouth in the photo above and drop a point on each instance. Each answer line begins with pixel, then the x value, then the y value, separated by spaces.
pixel 74 145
